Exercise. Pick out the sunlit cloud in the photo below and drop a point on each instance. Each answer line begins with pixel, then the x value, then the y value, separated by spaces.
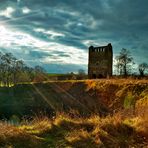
pixel 25 10
pixel 11 39
pixel 7 12
pixel 73 55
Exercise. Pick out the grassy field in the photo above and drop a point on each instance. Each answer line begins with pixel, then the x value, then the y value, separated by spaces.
pixel 88 113
pixel 74 131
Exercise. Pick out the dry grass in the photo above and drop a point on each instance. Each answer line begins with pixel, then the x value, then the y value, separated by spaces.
pixel 67 131
pixel 125 126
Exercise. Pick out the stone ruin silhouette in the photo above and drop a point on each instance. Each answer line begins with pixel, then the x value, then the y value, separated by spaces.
pixel 100 62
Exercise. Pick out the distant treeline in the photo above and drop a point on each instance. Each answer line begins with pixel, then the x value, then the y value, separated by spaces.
pixel 13 71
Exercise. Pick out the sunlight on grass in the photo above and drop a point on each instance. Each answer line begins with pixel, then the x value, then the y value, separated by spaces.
pixel 124 125
pixel 66 131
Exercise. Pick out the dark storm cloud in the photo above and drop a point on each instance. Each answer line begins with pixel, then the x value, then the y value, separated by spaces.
pixel 82 23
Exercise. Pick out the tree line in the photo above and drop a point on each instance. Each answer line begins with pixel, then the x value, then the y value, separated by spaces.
pixel 13 71
pixel 125 63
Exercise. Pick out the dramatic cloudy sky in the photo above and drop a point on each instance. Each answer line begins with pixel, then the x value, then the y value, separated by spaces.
pixel 57 33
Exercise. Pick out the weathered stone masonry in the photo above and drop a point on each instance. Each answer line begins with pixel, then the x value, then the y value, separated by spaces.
pixel 100 61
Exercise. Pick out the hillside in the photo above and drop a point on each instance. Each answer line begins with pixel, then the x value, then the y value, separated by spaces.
pixel 76 114
pixel 88 97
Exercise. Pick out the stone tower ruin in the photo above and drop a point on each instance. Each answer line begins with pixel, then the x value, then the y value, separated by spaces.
pixel 100 62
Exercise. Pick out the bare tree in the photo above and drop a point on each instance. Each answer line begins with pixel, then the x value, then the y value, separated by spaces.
pixel 7 64
pixel 13 71
pixel 17 70
pixel 124 62
pixel 142 68
pixel 39 69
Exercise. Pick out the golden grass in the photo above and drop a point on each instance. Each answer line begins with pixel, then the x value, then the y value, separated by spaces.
pixel 126 127
pixel 66 131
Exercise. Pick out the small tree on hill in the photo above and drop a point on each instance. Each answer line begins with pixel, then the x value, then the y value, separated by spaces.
pixel 124 62
pixel 142 68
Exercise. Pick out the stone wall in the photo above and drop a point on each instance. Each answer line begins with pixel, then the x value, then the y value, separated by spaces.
pixel 100 62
